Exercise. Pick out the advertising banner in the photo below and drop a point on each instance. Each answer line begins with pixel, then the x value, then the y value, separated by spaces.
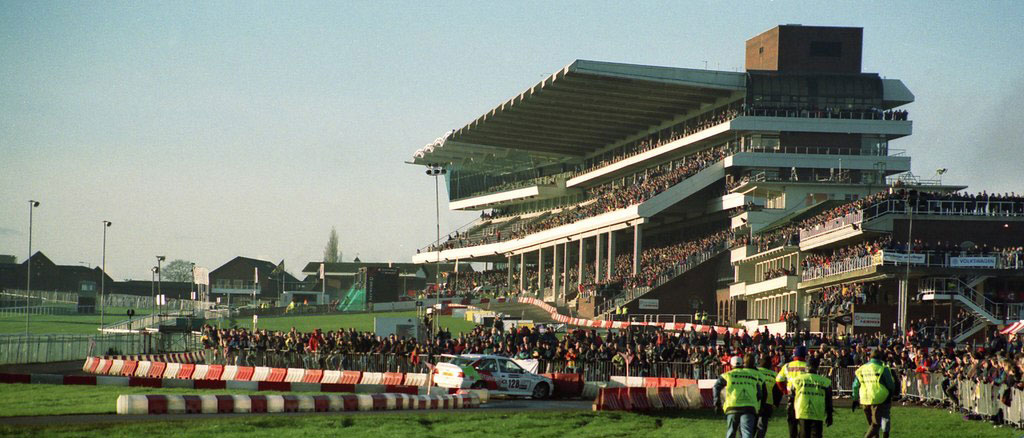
pixel 647 304
pixel 972 262
pixel 863 319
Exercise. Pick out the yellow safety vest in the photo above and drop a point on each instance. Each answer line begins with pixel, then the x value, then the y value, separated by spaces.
pixel 872 392
pixel 809 396
pixel 741 389
pixel 791 370
pixel 769 381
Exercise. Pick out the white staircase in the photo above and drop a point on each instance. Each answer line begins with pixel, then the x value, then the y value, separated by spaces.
pixel 986 312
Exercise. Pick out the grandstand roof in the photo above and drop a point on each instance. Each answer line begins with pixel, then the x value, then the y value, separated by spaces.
pixel 583 107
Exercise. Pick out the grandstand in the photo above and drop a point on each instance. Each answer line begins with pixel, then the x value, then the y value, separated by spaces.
pixel 673 191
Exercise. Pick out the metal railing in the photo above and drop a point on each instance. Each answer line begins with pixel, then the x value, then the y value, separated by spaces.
pixel 838 267
pixel 20 349
pixel 820 150
pixel 38 310
pixel 851 218
pixel 988 400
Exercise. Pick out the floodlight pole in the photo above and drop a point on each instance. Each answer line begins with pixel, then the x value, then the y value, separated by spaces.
pixel 32 204
pixel 103 276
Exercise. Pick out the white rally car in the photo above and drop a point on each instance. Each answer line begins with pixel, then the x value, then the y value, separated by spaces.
pixel 498 374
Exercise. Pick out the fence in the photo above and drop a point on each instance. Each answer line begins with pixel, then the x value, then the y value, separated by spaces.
pixel 984 399
pixel 38 310
pixel 18 349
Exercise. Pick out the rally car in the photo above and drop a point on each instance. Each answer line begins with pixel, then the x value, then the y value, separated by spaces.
pixel 495 373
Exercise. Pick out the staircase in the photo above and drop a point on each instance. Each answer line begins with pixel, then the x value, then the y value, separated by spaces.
pixel 986 312
pixel 627 296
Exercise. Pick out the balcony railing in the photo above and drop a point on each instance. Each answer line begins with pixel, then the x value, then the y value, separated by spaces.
pixel 1010 260
pixel 942 207
pixel 851 218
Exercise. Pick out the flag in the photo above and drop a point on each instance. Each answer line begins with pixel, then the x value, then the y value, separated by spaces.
pixel 256 275
pixel 321 271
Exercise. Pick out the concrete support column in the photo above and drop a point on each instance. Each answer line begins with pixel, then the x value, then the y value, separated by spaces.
pixel 508 267
pixel 564 275
pixel 522 272
pixel 555 270
pixel 904 300
pixel 579 266
pixel 540 272
pixel 637 247
pixel 597 258
pixel 611 256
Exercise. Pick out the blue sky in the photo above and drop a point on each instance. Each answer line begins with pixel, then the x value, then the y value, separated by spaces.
pixel 207 130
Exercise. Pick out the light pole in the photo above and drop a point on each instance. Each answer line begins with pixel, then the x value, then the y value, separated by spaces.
pixel 159 293
pixel 103 274
pixel 152 287
pixel 436 170
pixel 32 204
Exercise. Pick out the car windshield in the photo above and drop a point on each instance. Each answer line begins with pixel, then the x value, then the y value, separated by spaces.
pixel 460 361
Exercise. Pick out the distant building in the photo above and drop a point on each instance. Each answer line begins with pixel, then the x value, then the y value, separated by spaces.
pixel 240 277
pixel 341 276
pixel 49 276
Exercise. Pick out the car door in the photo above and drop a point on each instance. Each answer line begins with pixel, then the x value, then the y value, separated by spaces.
pixel 513 378
pixel 490 374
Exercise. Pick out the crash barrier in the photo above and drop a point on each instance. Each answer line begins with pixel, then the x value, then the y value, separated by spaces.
pixel 582 322
pixel 194 357
pixel 648 399
pixel 988 400
pixel 159 382
pixel 602 371
pixel 236 404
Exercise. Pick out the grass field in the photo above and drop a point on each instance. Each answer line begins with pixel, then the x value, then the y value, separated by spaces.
pixel 65 324
pixel 87 324
pixel 908 423
pixel 358 321
pixel 35 399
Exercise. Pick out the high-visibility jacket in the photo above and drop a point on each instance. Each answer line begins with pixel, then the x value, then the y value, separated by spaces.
pixel 769 381
pixel 741 389
pixel 809 394
pixel 871 390
pixel 791 370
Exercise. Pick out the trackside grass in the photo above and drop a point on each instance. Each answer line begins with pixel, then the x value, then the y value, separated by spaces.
pixel 908 423
pixel 29 400
pixel 64 324
pixel 358 321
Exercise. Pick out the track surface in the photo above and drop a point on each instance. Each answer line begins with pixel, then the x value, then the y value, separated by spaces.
pixel 511 405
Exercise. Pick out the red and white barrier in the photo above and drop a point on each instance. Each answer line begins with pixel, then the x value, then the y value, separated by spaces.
pixel 228 404
pixel 372 378
pixel 294 375
pixel 648 398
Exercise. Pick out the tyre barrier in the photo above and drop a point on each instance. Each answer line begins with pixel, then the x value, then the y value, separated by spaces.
pixel 233 404
pixel 649 398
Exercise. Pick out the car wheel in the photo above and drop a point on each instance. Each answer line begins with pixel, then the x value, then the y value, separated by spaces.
pixel 540 391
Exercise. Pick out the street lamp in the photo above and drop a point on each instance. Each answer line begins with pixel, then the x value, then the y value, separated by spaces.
pixel 436 170
pixel 159 260
pixel 103 273
pixel 32 204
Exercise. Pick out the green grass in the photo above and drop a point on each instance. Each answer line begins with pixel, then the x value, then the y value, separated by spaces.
pixel 64 324
pixel 88 324
pixel 358 321
pixel 907 423
pixel 35 399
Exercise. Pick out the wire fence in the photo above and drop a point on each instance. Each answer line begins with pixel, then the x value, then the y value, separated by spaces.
pixel 990 401
pixel 22 349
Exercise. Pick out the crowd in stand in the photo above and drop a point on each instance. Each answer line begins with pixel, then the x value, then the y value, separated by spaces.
pixel 838 300
pixel 611 197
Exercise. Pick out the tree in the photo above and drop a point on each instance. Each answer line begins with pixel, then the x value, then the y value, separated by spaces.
pixel 177 270
pixel 332 254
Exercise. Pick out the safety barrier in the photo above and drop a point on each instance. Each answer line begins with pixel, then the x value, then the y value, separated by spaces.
pixel 219 404
pixel 647 399
pixel 984 399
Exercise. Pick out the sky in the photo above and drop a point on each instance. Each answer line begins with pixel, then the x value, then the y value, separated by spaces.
pixel 209 130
